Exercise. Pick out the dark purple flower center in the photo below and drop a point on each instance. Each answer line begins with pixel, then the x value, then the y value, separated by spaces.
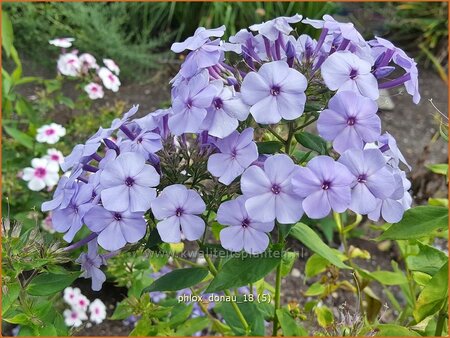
pixel 179 212
pixel 326 185
pixel 351 121
pixel 189 103
pixel 117 216
pixel 129 182
pixel 353 73
pixel 233 153
pixel 40 172
pixel 362 178
pixel 276 189
pixel 74 315
pixel 139 140
pixel 50 132
pixel 275 90
pixel 245 223
pixel 218 103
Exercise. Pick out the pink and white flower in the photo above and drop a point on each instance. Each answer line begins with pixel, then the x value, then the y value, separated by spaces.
pixel 42 174
pixel 62 42
pixel 74 317
pixel 54 155
pixel 112 66
pixel 88 61
pixel 69 64
pixel 94 91
pixel 71 295
pixel 110 81
pixel 81 303
pixel 98 311
pixel 50 133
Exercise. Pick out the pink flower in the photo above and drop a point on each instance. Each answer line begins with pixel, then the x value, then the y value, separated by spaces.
pixel 69 64
pixel 88 61
pixel 110 81
pixel 42 174
pixel 98 311
pixel 50 133
pixel 62 42
pixel 112 66
pixel 54 155
pixel 94 91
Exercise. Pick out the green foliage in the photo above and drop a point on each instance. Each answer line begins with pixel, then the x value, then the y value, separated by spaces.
pixel 98 28
pixel 239 271
pixel 178 279
pixel 312 241
pixel 418 222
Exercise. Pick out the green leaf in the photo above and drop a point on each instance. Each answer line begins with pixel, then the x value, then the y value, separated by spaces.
pixel 192 326
pixel 47 330
pixel 178 279
pixel 251 313
pixel 438 168
pixel 312 241
pixel 315 289
pixel 240 271
pixel 123 310
pixel 392 330
pixel 10 296
pixel 389 277
pixel 289 325
pixel 20 136
pixel 418 222
pixel 47 284
pixel 269 147
pixel 433 296
pixel 67 101
pixel 7 33
pixel 324 316
pixel 312 142
pixel 315 264
pixel 428 259
pixel 287 262
pixel 20 318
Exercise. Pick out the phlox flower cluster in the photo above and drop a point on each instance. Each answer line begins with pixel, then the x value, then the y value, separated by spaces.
pixel 85 67
pixel 127 177
pixel 81 309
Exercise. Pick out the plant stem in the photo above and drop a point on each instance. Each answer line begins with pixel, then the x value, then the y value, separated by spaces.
pixel 287 145
pixel 241 317
pixel 440 322
pixel 274 133
pixel 222 327
pixel 277 286
pixel 306 124
pixel 277 300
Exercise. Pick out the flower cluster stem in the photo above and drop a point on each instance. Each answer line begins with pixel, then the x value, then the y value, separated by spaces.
pixel 277 300
pixel 239 314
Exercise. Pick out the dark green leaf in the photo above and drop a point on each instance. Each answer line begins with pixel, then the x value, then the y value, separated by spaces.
pixel 178 279
pixel 418 222
pixel 153 240
pixel 49 283
pixel 269 147
pixel 240 271
pixel 313 142
pixel 122 311
pixel 312 241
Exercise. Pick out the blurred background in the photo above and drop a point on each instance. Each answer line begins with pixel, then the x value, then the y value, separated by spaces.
pixel 138 36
